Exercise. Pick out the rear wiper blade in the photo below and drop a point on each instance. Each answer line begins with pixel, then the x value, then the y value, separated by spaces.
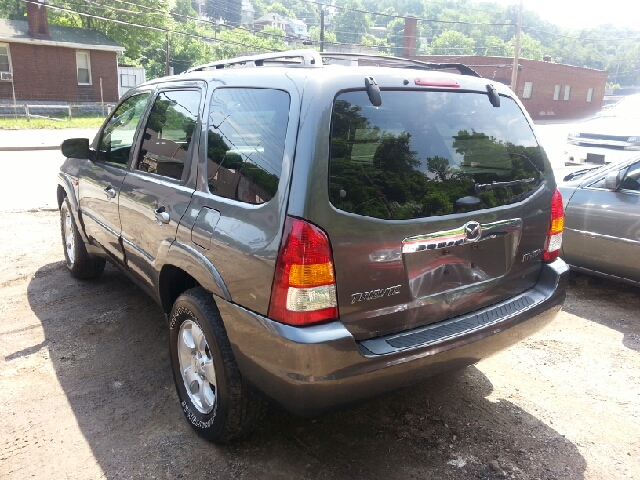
pixel 576 174
pixel 483 187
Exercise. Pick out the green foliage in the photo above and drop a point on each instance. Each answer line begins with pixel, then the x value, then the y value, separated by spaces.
pixel 281 10
pixel 228 10
pixel 452 43
pixel 350 26
pixel 529 47
pixel 496 47
pixel 328 36
pixel 602 47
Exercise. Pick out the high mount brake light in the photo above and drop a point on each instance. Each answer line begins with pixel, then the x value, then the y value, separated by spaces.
pixel 556 225
pixel 436 82
pixel 304 287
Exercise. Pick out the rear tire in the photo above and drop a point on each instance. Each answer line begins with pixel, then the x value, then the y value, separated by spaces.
pixel 80 264
pixel 216 400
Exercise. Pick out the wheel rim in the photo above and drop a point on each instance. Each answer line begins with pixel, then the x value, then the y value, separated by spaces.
pixel 196 367
pixel 69 238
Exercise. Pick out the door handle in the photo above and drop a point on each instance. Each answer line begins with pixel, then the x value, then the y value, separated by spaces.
pixel 111 193
pixel 161 215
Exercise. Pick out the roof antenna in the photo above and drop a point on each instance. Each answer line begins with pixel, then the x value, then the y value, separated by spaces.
pixel 494 98
pixel 373 90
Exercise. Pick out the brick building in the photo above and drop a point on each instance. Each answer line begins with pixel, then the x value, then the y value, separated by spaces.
pixel 549 91
pixel 55 64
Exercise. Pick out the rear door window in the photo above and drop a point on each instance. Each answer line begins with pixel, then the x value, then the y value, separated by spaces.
pixel 429 153
pixel 245 142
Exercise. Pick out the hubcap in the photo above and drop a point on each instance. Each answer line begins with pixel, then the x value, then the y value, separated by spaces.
pixel 196 367
pixel 69 238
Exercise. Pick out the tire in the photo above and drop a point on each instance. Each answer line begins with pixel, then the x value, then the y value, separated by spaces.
pixel 80 264
pixel 215 399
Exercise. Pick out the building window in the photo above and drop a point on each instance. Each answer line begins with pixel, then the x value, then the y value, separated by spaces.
pixel 567 91
pixel 556 92
pixel 589 95
pixel 84 68
pixel 528 88
pixel 127 80
pixel 5 59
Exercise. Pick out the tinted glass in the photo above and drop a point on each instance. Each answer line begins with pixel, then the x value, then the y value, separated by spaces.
pixel 247 129
pixel 429 153
pixel 631 180
pixel 117 137
pixel 168 133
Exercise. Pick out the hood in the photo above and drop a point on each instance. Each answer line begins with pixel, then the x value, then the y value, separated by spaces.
pixel 609 125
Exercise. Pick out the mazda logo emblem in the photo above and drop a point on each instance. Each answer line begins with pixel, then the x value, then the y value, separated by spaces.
pixel 473 231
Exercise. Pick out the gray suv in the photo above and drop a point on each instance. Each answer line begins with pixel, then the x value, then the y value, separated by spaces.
pixel 319 233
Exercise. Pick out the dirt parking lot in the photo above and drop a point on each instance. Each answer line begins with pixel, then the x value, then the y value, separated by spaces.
pixel 86 392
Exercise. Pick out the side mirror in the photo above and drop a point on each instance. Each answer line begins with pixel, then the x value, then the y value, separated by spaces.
pixel 612 180
pixel 75 148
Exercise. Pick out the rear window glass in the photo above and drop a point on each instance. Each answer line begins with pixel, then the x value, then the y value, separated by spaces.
pixel 245 143
pixel 422 154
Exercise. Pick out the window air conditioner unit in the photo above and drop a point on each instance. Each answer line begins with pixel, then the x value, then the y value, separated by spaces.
pixel 6 76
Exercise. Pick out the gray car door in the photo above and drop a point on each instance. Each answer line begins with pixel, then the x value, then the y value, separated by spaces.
pixel 100 180
pixel 236 215
pixel 159 186
pixel 603 227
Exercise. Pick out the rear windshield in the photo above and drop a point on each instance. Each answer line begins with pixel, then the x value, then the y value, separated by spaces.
pixel 423 153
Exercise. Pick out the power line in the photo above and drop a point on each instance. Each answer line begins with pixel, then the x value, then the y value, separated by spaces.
pixel 149 27
pixel 636 38
pixel 429 20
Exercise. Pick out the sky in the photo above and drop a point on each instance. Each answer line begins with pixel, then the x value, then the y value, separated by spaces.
pixel 577 14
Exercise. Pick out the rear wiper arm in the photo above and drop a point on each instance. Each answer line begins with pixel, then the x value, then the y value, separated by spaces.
pixel 578 173
pixel 483 187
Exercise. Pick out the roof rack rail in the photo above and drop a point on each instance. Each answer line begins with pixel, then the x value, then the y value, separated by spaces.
pixel 410 63
pixel 308 58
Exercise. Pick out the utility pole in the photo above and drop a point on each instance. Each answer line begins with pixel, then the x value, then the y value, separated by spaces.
pixel 321 29
pixel 166 52
pixel 516 53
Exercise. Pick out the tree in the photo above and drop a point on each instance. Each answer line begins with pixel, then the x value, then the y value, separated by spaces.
pixel 350 26
pixel 230 11
pixel 496 47
pixel 395 35
pixel 529 47
pixel 452 43
pixel 329 37
pixel 281 10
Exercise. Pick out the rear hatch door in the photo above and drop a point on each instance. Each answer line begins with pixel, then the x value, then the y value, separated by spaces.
pixel 440 206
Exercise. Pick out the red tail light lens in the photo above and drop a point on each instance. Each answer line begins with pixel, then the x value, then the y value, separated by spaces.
pixel 554 235
pixel 304 288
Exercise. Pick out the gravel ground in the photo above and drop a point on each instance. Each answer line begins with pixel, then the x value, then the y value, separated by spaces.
pixel 86 392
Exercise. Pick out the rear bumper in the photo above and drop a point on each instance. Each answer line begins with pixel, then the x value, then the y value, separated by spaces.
pixel 314 369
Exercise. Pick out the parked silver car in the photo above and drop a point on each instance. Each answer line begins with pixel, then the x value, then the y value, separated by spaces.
pixel 611 136
pixel 602 221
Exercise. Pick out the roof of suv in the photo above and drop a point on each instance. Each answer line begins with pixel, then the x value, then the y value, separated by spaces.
pixel 311 64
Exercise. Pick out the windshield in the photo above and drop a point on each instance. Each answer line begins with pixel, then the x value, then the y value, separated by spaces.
pixel 626 108
pixel 424 153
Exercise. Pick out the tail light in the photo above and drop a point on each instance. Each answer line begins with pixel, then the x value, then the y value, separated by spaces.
pixel 554 235
pixel 304 287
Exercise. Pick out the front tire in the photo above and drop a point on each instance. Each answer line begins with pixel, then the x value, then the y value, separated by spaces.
pixel 215 399
pixel 80 264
